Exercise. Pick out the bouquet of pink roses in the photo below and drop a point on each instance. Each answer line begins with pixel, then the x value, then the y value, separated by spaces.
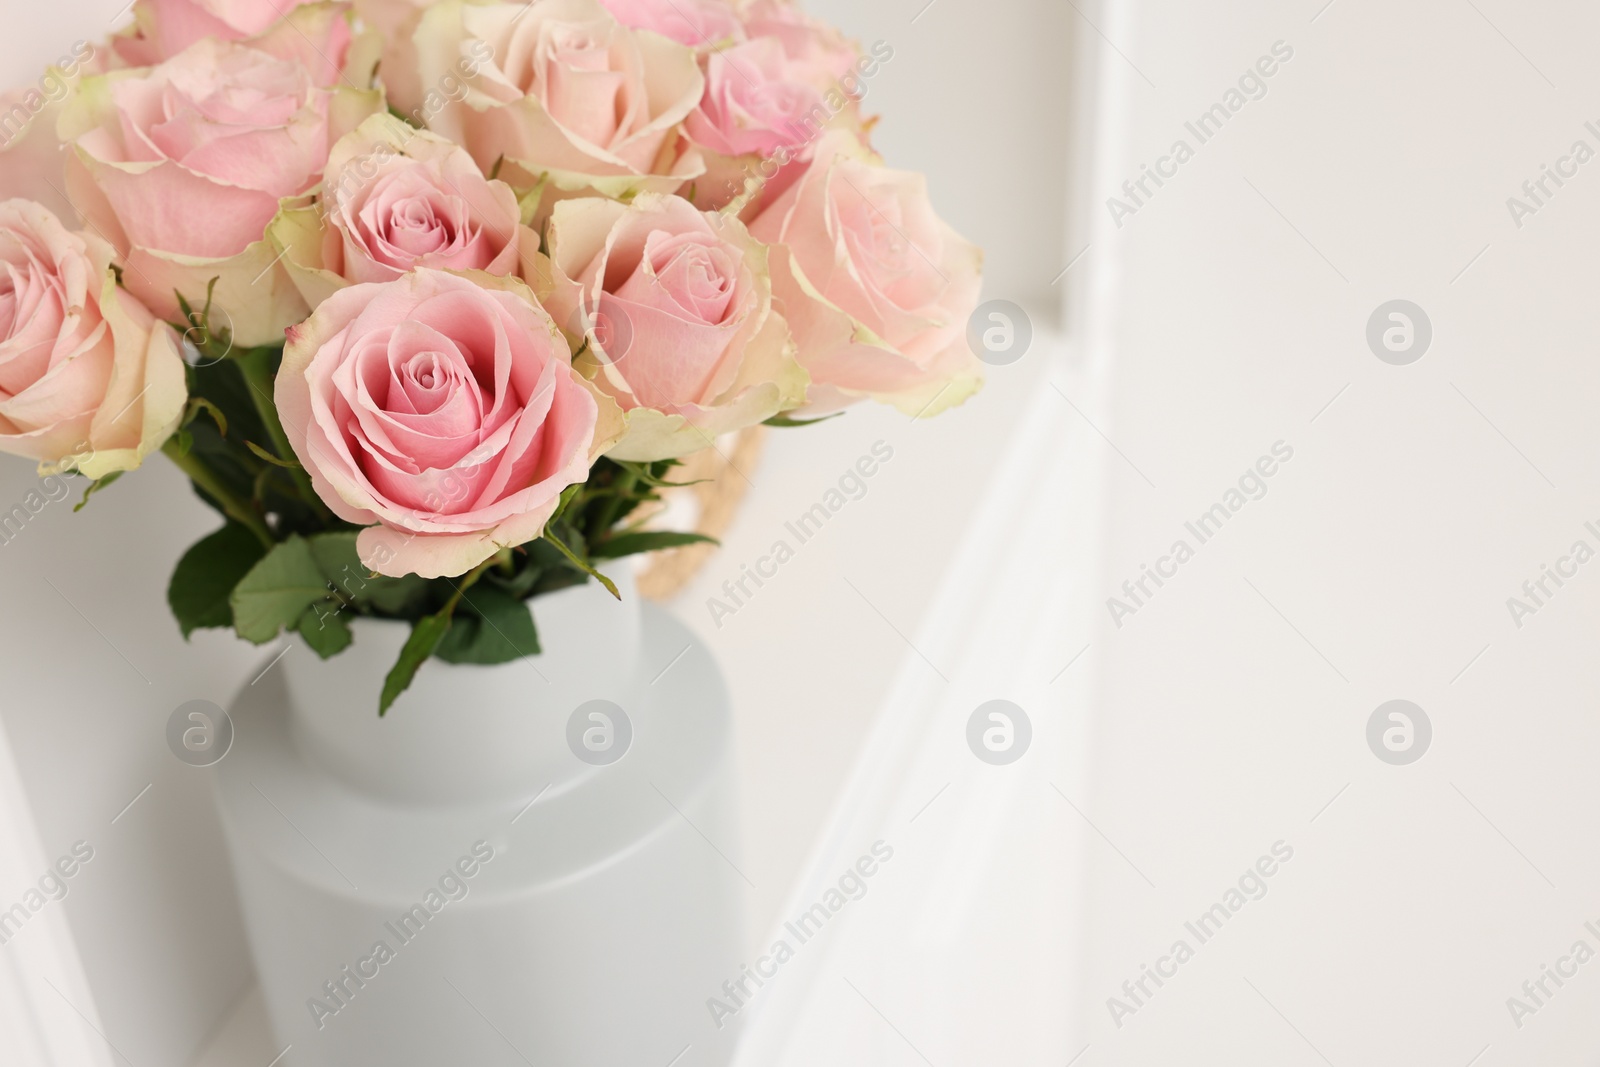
pixel 427 298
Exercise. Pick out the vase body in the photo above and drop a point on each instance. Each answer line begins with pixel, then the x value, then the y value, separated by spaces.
pixel 478 878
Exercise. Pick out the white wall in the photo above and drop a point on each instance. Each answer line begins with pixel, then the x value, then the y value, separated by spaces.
pixel 1232 708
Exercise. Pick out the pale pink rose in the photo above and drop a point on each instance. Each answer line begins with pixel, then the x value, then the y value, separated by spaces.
pixel 756 120
pixel 769 100
pixel 182 166
pixel 445 409
pixel 876 288
pixel 565 91
pixel 394 198
pixel 696 23
pixel 89 380
pixel 315 33
pixel 756 101
pixel 674 308
pixel 829 56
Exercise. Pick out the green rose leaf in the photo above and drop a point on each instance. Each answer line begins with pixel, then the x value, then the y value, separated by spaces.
pixel 491 626
pixel 277 591
pixel 426 633
pixel 336 555
pixel 205 577
pixel 326 628
pixel 628 544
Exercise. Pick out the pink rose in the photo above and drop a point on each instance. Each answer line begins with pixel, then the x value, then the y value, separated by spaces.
pixel 815 46
pixel 767 102
pixel 696 23
pixel 182 167
pixel 755 101
pixel 315 34
pixel 565 91
pixel 759 113
pixel 89 380
pixel 675 309
pixel 876 288
pixel 393 199
pixel 443 408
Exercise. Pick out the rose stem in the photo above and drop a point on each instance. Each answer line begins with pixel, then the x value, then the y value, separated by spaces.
pixel 255 365
pixel 201 475
pixel 470 579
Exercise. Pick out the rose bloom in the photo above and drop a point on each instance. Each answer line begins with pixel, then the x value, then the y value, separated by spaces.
pixel 89 380
pixel 445 409
pixel 876 288
pixel 813 46
pixel 755 101
pixel 395 198
pixel 767 102
pixel 566 91
pixel 674 306
pixel 315 34
pixel 758 114
pixel 696 23
pixel 182 166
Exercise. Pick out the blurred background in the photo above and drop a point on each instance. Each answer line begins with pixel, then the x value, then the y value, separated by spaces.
pixel 1343 163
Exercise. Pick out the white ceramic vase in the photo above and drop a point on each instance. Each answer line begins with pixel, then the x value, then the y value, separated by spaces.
pixel 467 880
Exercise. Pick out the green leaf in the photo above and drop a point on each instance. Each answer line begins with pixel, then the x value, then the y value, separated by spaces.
pixel 426 633
pixel 335 553
pixel 336 556
pixel 94 487
pixel 784 420
pixel 491 626
pixel 205 576
pixel 277 591
pixel 628 544
pixel 326 628
pixel 582 564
